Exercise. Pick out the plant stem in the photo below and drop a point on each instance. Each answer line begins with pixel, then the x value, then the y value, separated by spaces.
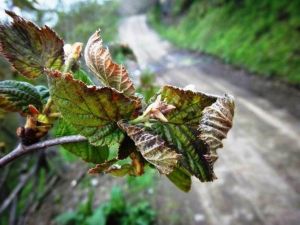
pixel 48 106
pixel 21 150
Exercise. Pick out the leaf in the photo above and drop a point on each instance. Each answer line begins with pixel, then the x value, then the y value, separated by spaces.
pixel 101 168
pixel 120 170
pixel 181 178
pixel 15 96
pixel 188 104
pixel 153 148
pixel 84 150
pixel 92 111
pixel 215 124
pixel 82 75
pixel 44 93
pixel 30 48
pixel 99 60
pixel 193 150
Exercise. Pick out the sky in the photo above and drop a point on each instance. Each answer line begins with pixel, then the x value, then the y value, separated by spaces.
pixel 42 4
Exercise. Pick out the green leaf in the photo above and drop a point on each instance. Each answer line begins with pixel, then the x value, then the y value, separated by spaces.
pixel 181 178
pixel 83 76
pixel 120 170
pixel 44 93
pixel 84 150
pixel 153 148
pixel 99 60
pixel 15 96
pixel 30 48
pixel 187 143
pixel 189 105
pixel 92 111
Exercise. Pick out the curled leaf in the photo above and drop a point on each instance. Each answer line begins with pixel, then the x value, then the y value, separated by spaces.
pixel 215 124
pixel 153 148
pixel 101 168
pixel 99 60
pixel 30 48
pixel 72 55
pixel 158 109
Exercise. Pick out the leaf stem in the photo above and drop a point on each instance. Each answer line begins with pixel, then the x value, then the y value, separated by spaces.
pixel 48 106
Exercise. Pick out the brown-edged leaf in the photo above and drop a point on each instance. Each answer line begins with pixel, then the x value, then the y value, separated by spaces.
pixel 92 111
pixel 215 124
pixel 153 148
pixel 188 104
pixel 99 60
pixel 30 48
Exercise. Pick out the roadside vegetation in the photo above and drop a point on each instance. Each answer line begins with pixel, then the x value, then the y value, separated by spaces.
pixel 260 36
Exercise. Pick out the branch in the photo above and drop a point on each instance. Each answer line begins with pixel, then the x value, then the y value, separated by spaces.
pixel 21 150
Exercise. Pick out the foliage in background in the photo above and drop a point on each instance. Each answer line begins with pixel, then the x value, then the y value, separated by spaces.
pixel 117 211
pixel 262 36
pixel 147 85
pixel 84 17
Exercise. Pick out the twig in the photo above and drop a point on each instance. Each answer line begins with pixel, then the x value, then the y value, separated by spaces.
pixel 17 189
pixel 3 176
pixel 13 211
pixel 21 150
pixel 50 184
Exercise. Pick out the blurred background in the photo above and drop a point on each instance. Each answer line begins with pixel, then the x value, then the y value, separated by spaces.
pixel 250 49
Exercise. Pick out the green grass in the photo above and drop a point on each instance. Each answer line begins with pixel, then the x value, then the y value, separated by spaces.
pixel 261 36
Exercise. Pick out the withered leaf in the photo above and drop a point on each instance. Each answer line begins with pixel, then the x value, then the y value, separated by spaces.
pixel 99 60
pixel 215 124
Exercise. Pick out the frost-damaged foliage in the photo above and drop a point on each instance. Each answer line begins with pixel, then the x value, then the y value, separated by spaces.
pixel 30 48
pixel 177 132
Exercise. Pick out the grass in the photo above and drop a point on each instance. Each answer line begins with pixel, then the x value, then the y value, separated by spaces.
pixel 120 209
pixel 261 36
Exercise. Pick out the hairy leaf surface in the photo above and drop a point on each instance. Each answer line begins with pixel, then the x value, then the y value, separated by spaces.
pixel 99 60
pixel 92 111
pixel 189 105
pixel 84 150
pixel 153 148
pixel 30 48
pixel 15 96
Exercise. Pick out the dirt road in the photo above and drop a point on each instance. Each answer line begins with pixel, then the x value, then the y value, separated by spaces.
pixel 258 168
